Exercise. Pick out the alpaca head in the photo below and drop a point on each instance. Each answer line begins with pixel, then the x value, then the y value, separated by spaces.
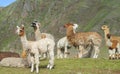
pixel 71 26
pixel 68 25
pixel 104 27
pixel 35 25
pixel 20 30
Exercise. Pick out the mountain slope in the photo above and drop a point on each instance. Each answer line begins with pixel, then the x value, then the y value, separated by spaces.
pixel 53 14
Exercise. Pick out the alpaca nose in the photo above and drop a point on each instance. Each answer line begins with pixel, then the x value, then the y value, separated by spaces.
pixel 33 24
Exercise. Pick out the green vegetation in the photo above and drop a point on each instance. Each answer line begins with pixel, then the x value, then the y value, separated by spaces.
pixel 72 66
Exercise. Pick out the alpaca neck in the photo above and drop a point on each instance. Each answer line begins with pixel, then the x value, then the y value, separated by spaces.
pixel 70 32
pixel 105 33
pixel 24 40
pixel 109 43
pixel 38 34
pixel 70 35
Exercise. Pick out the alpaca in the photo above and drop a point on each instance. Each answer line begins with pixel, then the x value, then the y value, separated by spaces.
pixel 8 54
pixel 106 30
pixel 34 48
pixel 39 35
pixel 63 45
pixel 113 46
pixel 14 62
pixel 82 39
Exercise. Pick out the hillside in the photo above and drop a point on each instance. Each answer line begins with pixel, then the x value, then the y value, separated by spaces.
pixel 53 14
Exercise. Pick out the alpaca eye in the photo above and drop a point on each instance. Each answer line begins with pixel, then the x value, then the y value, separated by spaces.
pixel 20 30
pixel 34 23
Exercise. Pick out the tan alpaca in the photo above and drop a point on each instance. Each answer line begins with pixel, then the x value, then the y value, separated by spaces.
pixel 106 30
pixel 113 39
pixel 82 39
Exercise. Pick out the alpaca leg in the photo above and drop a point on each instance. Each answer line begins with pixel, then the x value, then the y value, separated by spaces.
pixel 110 54
pixel 113 54
pixel 96 48
pixel 65 52
pixel 51 60
pixel 118 53
pixel 44 55
pixel 80 51
pixel 118 46
pixel 32 65
pixel 59 53
pixel 29 60
pixel 37 62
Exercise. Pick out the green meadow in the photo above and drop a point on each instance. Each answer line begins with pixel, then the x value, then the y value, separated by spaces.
pixel 71 66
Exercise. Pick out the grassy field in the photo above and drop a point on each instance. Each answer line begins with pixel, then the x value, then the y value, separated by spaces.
pixel 71 66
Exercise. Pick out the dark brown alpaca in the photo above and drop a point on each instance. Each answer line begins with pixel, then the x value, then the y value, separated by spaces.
pixel 83 39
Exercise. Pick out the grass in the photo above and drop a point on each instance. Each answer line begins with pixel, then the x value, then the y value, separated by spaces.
pixel 72 66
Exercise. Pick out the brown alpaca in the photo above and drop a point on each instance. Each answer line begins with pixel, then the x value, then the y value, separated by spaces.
pixel 83 39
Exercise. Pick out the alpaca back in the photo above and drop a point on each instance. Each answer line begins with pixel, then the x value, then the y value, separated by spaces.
pixel 95 37
pixel 115 38
pixel 45 45
pixel 50 36
pixel 83 38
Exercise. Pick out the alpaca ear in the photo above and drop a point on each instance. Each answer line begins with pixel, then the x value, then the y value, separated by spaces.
pixel 107 26
pixel 22 26
pixel 65 26
pixel 75 26
pixel 17 27
pixel 103 27
pixel 39 24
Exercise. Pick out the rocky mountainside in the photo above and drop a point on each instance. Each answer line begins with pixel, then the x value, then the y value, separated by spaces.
pixel 90 15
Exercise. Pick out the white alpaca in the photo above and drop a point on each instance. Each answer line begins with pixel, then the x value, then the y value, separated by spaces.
pixel 39 35
pixel 13 62
pixel 63 45
pixel 37 47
